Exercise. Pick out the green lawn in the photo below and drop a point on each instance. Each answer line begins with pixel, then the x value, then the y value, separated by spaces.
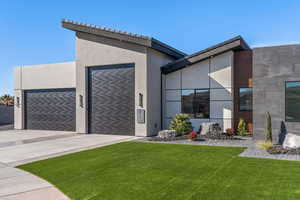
pixel 148 171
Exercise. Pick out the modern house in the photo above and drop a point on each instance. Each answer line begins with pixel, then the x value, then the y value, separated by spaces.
pixel 128 84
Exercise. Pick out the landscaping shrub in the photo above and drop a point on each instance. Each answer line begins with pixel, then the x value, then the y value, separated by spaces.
pixel 265 145
pixel 230 131
pixel 242 130
pixel 192 135
pixel 269 137
pixel 282 133
pixel 250 128
pixel 181 124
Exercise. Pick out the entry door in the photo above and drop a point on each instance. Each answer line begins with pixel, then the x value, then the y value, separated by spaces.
pixel 111 100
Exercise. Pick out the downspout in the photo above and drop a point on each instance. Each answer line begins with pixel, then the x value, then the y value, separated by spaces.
pixel 161 102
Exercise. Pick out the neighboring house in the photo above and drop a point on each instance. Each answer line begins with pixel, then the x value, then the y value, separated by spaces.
pixel 123 83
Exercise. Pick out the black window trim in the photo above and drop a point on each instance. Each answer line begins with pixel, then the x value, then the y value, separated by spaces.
pixel 194 113
pixel 239 95
pixel 285 103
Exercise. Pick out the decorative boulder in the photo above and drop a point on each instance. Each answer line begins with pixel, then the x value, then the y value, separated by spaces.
pixel 167 134
pixel 215 132
pixel 206 128
pixel 291 141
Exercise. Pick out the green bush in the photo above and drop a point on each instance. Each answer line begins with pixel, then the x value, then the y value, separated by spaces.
pixel 264 145
pixel 181 124
pixel 242 130
pixel 269 137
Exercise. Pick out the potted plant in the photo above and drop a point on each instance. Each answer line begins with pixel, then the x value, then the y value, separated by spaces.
pixel 192 136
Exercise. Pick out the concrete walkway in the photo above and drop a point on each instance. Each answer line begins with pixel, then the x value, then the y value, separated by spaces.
pixel 20 147
pixel 16 184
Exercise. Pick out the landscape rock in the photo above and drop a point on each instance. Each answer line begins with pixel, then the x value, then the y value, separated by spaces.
pixel 215 132
pixel 291 141
pixel 206 128
pixel 278 149
pixel 167 134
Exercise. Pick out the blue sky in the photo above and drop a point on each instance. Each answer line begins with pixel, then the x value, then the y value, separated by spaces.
pixel 31 32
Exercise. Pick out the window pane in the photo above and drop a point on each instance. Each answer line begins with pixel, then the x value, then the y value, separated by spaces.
pixel 292 101
pixel 201 104
pixel 187 102
pixel 245 99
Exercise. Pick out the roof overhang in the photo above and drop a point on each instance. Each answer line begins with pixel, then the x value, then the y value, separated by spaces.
pixel 236 43
pixel 123 36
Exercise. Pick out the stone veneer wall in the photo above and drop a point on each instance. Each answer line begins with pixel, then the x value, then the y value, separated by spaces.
pixel 272 67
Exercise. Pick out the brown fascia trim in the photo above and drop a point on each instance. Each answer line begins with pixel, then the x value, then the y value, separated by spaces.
pixel 236 43
pixel 123 36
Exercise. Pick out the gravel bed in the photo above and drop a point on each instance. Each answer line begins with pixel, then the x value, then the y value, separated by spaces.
pixel 253 151
pixel 278 149
pixel 238 142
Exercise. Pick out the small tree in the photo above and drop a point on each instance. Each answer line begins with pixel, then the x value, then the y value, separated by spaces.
pixel 269 137
pixel 6 100
pixel 181 124
pixel 242 130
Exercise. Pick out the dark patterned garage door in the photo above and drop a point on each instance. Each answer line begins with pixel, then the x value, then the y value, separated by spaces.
pixel 111 100
pixel 50 109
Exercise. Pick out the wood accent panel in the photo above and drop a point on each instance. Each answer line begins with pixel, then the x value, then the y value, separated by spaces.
pixel 242 78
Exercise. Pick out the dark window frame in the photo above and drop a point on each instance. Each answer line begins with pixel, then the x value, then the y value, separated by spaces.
pixel 239 96
pixel 285 103
pixel 194 114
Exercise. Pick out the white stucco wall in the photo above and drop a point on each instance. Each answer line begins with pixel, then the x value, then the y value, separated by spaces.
pixel 46 76
pixel 215 74
pixel 196 75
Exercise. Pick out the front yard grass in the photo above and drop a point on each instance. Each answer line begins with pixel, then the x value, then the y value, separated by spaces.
pixel 148 171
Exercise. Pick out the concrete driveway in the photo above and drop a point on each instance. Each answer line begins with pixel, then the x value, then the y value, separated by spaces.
pixel 6 127
pixel 24 146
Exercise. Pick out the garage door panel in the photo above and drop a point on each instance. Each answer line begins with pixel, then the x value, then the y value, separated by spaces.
pixel 111 100
pixel 51 109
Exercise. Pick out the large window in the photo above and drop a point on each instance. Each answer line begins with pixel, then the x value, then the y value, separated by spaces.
pixel 292 101
pixel 245 99
pixel 195 103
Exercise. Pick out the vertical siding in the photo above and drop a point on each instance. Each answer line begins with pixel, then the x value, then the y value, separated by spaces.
pixel 242 79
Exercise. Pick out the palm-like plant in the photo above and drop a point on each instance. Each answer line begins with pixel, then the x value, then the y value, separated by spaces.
pixel 7 100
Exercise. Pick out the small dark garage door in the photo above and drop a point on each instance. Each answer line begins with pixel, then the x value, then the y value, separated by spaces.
pixel 51 109
pixel 111 99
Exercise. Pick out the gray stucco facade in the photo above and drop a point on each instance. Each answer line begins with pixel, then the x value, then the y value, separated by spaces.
pixel 98 47
pixel 272 67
